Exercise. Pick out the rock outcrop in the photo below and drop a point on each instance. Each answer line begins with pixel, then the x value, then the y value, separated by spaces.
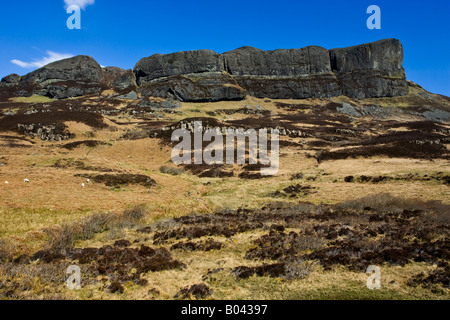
pixel 119 79
pixel 370 70
pixel 66 78
pixel 10 80
pixel 187 76
pixel 79 68
pixel 46 132
pixel 283 74
pixel 364 71
pixel 174 64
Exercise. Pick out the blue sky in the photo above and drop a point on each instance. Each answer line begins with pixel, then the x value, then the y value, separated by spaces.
pixel 119 33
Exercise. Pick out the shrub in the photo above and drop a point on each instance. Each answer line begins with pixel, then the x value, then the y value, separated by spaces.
pixel 62 238
pixel 135 213
pixel 65 236
pixel 97 223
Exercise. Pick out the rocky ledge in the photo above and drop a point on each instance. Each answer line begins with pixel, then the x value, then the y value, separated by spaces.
pixel 364 71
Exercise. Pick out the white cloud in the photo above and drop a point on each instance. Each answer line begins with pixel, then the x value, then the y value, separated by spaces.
pixel 81 3
pixel 51 57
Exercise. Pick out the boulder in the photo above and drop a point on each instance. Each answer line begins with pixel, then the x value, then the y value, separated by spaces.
pixel 129 96
pixel 79 68
pixel 68 78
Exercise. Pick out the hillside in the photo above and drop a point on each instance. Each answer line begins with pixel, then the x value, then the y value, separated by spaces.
pixel 86 179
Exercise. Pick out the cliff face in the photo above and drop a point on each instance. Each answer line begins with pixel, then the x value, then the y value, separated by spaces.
pixel 364 71
pixel 368 70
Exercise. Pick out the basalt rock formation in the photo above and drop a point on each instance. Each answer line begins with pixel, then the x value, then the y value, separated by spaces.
pixel 370 70
pixel 364 71
pixel 62 79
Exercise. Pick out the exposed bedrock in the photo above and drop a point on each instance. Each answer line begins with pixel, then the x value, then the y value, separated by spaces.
pixel 364 71
pixel 370 70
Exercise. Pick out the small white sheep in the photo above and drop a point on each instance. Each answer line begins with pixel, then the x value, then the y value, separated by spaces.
pixel 26 180
pixel 83 185
pixel 6 182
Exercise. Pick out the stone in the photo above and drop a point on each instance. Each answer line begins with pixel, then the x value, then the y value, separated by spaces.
pixel 129 96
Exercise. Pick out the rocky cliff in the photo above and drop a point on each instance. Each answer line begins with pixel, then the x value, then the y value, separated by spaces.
pixel 370 70
pixel 364 71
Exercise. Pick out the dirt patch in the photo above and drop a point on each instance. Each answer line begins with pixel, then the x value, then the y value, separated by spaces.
pixel 125 264
pixel 117 265
pixel 120 180
pixel 198 291
pixel 206 245
pixel 440 276
pixel 392 150
pixel 279 245
pixel 207 171
pixel 226 230
pixel 440 177
pixel 116 287
pixel 122 243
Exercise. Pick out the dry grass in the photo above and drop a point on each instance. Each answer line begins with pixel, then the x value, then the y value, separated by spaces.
pixel 55 210
pixel 32 99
